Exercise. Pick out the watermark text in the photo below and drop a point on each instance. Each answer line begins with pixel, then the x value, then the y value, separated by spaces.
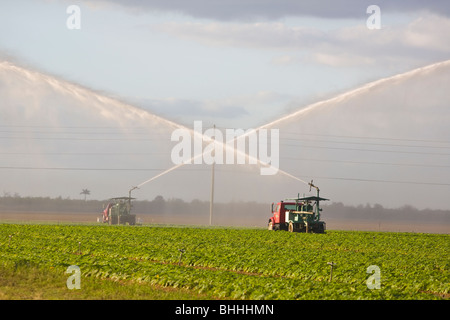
pixel 237 146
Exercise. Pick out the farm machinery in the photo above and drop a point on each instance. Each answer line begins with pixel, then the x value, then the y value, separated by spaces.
pixel 118 211
pixel 298 214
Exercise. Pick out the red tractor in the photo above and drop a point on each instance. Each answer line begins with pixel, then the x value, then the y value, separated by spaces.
pixel 298 214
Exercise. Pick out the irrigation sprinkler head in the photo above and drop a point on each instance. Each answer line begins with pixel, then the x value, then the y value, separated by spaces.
pixel 181 255
pixel 311 185
pixel 331 264
pixel 129 191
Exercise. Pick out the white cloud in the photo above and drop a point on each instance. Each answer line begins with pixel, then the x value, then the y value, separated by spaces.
pixel 284 60
pixel 424 39
pixel 248 35
pixel 251 10
pixel 340 60
pixel 232 111
pixel 431 31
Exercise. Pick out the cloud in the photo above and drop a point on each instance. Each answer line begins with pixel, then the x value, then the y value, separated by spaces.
pixel 232 111
pixel 193 108
pixel 284 60
pixel 271 35
pixel 340 60
pixel 430 31
pixel 251 10
pixel 422 39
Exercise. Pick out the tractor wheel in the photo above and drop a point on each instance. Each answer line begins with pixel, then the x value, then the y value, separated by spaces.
pixel 270 225
pixel 291 227
pixel 321 228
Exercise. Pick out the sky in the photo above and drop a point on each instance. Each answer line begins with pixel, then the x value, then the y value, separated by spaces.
pixel 233 64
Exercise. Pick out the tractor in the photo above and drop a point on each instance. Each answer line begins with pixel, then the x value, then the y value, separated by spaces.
pixel 118 211
pixel 298 214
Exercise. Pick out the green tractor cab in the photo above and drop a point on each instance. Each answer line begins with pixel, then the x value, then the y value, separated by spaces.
pixel 305 216
pixel 298 214
pixel 118 211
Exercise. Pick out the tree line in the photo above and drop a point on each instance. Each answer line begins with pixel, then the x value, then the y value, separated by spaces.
pixel 233 210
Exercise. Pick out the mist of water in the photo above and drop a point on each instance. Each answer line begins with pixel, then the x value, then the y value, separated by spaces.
pixel 317 105
pixel 107 107
pixel 355 92
pixel 116 111
pixel 32 95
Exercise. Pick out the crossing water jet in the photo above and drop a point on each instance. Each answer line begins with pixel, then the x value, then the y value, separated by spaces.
pixel 182 164
pixel 107 107
pixel 339 98
pixel 354 92
pixel 108 113
pixel 224 146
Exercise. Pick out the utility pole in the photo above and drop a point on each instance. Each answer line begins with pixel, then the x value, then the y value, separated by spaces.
pixel 211 201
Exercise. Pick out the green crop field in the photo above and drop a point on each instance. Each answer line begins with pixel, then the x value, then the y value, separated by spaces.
pixel 222 263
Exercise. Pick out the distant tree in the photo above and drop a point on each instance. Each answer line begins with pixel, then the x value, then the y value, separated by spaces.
pixel 86 192
pixel 158 204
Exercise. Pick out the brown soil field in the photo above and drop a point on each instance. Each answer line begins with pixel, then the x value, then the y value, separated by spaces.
pixel 390 226
pixel 48 217
pixel 356 225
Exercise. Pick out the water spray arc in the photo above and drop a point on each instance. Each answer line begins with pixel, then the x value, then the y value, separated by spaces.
pixel 225 146
pixel 355 92
pixel 83 94
pixel 133 112
pixel 311 107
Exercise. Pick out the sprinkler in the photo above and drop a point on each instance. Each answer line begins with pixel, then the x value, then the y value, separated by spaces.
pixel 181 255
pixel 331 270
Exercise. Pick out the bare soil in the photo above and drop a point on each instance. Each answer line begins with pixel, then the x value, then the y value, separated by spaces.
pixel 357 225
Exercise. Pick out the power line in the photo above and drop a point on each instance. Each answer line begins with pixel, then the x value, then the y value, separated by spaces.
pixel 286 144
pixel 104 169
pixel 89 169
pixel 369 143
pixel 384 181
pixel 80 139
pixel 367 137
pixel 206 169
pixel 84 132
pixel 147 128
pixel 70 127
pixel 83 154
pixel 80 169
pixel 370 150
pixel 370 163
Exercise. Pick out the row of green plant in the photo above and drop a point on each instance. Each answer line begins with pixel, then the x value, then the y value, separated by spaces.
pixel 240 263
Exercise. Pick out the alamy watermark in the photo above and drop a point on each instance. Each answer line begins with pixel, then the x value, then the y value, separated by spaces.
pixel 238 146
pixel 374 20
pixel 374 281
pixel 74 20
pixel 74 281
